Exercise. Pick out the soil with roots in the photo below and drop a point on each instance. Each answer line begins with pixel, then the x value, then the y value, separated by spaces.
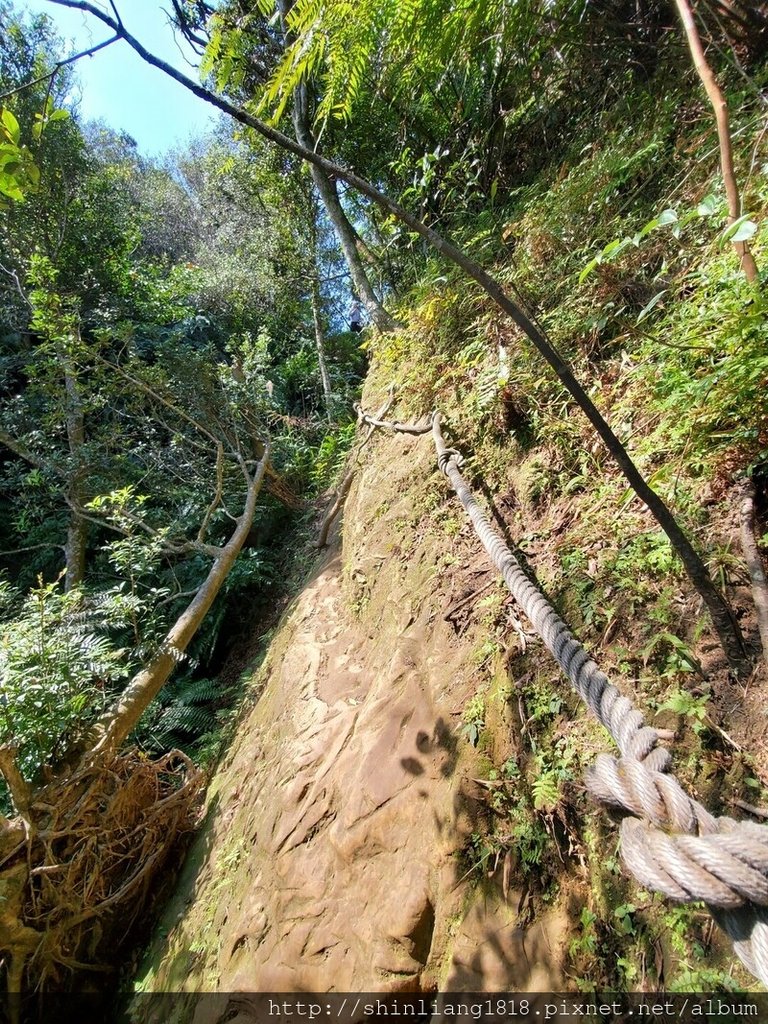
pixel 77 874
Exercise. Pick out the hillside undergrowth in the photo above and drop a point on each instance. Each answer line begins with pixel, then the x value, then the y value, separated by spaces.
pixel 671 342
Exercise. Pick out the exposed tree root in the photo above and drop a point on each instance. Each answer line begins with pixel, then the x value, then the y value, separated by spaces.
pixel 77 877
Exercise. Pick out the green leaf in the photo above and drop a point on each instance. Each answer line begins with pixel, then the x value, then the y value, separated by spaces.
pixel 648 228
pixel 11 126
pixel 708 206
pixel 545 791
pixel 9 187
pixel 668 216
pixel 745 231
pixel 590 267
pixel 651 305
pixel 741 229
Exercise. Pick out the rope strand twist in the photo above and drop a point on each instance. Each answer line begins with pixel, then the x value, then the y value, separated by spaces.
pixel 669 841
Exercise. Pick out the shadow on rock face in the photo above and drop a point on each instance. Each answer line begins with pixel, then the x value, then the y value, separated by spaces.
pixel 344 810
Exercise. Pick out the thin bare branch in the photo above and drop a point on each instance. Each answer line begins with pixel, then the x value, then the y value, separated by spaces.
pixel 720 108
pixel 24 452
pixel 15 278
pixel 31 547
pixel 143 386
pixel 50 75
pixel 165 546
pixel 217 496
pixel 176 596
pixel 116 13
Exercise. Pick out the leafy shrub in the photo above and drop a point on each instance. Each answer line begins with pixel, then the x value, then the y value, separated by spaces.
pixel 58 667
pixel 331 454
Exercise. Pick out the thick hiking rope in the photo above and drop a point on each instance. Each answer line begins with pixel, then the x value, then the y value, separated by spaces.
pixel 669 841
pixel 423 427
pixel 673 844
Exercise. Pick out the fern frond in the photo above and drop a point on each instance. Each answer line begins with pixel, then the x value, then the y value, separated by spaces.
pixel 199 691
pixel 545 791
pixel 181 718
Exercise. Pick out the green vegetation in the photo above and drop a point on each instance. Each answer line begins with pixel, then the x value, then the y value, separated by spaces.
pixel 177 384
pixel 153 335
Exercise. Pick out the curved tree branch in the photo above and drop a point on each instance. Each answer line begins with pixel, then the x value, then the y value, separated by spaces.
pixel 723 619
pixel 123 717
pixel 58 66
pixel 720 107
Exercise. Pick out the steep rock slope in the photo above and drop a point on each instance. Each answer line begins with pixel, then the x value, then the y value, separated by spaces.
pixel 331 857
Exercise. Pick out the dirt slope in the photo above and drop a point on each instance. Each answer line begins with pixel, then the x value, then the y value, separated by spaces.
pixel 331 857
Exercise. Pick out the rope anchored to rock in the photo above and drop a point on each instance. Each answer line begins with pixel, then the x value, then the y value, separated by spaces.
pixel 669 841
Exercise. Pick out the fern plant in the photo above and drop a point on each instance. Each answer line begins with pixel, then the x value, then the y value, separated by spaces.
pixel 58 667
pixel 184 713
pixel 415 43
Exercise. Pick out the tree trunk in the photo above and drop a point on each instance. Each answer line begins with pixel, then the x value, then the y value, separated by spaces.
pixel 720 107
pixel 723 620
pixel 348 241
pixel 317 317
pixel 326 188
pixel 76 547
pixel 113 728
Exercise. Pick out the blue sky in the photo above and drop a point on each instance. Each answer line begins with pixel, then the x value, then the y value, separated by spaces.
pixel 118 87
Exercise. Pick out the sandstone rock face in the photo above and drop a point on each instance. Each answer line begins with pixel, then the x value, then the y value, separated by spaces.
pixel 331 855
pixel 352 827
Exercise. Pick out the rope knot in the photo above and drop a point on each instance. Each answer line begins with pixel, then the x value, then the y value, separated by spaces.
pixel 727 869
pixel 449 455
pixel 674 845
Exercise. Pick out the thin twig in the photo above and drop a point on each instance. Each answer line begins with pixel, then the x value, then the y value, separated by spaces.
pixel 465 600
pixel 759 812
pixel 32 547
pixel 58 66
pixel 217 496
